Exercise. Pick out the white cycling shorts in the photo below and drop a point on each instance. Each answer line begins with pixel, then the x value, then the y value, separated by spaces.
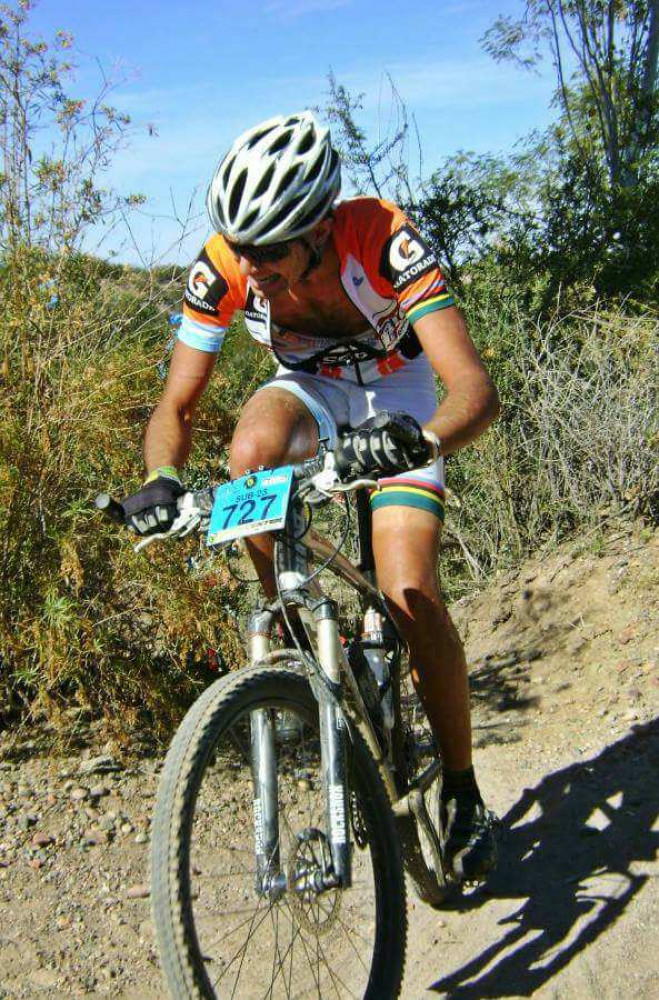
pixel 338 404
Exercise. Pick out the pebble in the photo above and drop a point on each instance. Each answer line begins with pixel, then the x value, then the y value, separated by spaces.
pixel 141 838
pixel 138 892
pixel 107 821
pixel 42 840
pixel 103 764
pixel 126 828
pixel 79 794
pixel 95 837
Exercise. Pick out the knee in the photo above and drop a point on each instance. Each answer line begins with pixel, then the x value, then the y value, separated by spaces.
pixel 251 451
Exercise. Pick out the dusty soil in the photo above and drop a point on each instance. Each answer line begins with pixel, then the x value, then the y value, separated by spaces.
pixel 564 662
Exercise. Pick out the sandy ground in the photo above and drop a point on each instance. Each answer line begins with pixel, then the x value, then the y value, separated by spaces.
pixel 564 660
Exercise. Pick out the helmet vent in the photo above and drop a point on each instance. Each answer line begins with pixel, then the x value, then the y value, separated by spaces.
pixel 280 143
pixel 306 143
pixel 315 170
pixel 252 217
pixel 286 181
pixel 285 212
pixel 317 213
pixel 264 183
pixel 227 168
pixel 236 194
pixel 257 138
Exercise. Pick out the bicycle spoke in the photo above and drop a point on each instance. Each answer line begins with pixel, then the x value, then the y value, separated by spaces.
pixel 280 963
pixel 243 948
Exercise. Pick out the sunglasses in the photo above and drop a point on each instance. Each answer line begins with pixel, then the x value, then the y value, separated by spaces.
pixel 269 254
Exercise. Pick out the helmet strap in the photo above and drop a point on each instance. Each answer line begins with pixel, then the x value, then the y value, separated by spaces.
pixel 315 257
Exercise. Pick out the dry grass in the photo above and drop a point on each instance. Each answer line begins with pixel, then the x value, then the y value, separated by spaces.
pixel 84 621
pixel 578 439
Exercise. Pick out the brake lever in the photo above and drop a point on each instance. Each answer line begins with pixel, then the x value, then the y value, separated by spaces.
pixel 189 517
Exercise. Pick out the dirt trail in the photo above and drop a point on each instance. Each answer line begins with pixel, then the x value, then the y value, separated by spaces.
pixel 565 674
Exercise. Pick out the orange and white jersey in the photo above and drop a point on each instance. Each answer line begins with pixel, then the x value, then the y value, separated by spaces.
pixel 386 269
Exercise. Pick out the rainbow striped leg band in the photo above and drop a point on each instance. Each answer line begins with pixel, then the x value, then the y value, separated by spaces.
pixel 404 491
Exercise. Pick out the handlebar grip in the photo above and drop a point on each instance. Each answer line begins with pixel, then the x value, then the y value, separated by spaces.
pixel 110 508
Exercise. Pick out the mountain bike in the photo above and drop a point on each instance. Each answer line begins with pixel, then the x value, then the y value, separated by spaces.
pixel 299 788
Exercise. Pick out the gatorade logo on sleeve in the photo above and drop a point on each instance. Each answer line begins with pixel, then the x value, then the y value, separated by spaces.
pixel 406 257
pixel 206 287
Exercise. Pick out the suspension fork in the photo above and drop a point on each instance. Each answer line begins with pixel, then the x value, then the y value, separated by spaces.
pixel 333 743
pixel 333 730
pixel 293 575
pixel 269 878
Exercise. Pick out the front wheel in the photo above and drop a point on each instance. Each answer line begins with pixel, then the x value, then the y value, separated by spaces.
pixel 219 934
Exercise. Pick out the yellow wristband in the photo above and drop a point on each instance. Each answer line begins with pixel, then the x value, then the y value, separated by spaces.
pixel 166 471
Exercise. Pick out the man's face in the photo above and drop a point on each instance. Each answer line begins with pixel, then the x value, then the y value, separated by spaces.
pixel 275 268
pixel 268 276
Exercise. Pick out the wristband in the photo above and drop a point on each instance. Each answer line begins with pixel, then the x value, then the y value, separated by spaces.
pixel 164 471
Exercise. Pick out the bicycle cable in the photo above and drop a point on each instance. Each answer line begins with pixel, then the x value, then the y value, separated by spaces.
pixel 308 660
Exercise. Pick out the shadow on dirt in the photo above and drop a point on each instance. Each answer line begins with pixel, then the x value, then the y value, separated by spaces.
pixel 570 851
pixel 498 685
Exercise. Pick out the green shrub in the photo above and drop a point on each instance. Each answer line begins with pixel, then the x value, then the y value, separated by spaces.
pixel 82 618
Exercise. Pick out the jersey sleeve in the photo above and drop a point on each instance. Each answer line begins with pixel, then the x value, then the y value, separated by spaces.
pixel 404 261
pixel 212 295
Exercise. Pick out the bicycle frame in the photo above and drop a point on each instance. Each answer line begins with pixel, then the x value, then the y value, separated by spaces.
pixel 297 543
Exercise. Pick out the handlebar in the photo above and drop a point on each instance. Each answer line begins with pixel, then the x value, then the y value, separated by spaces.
pixel 113 510
pixel 110 508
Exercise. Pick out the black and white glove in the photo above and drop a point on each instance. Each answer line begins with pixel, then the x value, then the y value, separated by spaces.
pixel 388 443
pixel 153 508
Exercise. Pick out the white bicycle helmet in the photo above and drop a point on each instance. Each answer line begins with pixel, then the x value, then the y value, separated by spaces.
pixel 276 182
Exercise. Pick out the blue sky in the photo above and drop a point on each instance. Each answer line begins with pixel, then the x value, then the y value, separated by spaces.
pixel 203 73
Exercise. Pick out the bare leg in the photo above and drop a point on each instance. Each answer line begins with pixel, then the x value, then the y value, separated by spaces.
pixel 274 428
pixel 405 543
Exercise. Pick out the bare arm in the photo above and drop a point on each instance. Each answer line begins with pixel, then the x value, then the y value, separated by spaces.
pixel 471 403
pixel 168 435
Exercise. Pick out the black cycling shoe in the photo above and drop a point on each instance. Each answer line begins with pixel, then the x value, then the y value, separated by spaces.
pixel 469 845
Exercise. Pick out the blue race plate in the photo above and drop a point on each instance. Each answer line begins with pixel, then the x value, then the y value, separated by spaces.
pixel 250 505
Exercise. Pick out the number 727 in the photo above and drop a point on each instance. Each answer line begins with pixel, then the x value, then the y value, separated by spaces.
pixel 247 508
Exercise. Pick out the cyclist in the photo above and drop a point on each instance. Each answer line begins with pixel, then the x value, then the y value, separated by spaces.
pixel 351 301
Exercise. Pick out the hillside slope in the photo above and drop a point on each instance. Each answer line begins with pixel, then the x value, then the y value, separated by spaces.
pixel 564 662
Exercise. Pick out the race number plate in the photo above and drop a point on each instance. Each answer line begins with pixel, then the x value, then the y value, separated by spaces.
pixel 250 505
